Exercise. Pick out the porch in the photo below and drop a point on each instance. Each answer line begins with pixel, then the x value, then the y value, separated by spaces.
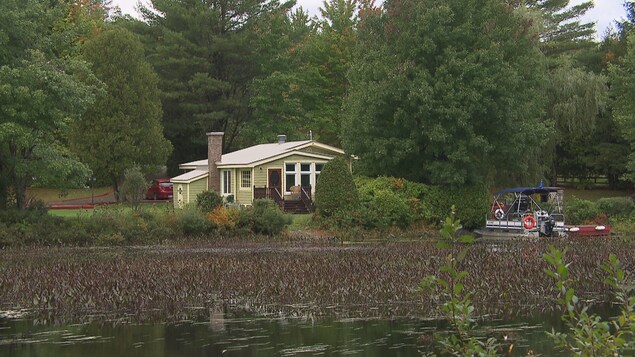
pixel 298 202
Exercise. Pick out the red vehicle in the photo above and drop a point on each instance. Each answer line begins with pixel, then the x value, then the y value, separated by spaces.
pixel 161 189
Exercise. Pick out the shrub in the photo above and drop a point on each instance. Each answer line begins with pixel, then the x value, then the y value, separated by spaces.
pixel 335 190
pixel 387 209
pixel 579 211
pixel 193 223
pixel 134 187
pixel 224 218
pixel 616 206
pixel 264 217
pixel 207 201
pixel 471 203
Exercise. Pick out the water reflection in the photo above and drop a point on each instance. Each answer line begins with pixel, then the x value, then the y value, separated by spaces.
pixel 236 334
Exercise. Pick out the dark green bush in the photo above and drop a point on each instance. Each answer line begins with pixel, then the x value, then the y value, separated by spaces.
pixel 207 201
pixel 335 190
pixel 263 217
pixel 386 209
pixel 579 211
pixel 616 206
pixel 471 203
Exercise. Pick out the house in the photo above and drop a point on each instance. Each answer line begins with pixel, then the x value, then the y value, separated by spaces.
pixel 285 171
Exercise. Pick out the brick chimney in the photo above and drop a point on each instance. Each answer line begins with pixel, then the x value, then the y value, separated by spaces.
pixel 214 155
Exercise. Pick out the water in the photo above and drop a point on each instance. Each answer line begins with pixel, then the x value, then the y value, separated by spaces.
pixel 230 334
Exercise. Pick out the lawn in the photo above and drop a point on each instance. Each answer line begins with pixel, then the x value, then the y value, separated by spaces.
pixel 594 194
pixel 51 195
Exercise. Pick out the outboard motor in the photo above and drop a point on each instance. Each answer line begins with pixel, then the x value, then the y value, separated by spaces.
pixel 546 226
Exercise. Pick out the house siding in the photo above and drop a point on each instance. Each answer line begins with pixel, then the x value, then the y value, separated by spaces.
pixel 195 188
pixel 244 195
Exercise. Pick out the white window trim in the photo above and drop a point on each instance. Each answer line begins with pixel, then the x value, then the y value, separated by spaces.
pixel 251 180
pixel 222 183
pixel 298 172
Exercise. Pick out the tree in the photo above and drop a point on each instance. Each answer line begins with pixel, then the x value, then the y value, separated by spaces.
pixel 576 95
pixel 204 53
pixel 123 128
pixel 43 88
pixel 335 190
pixel 306 85
pixel 447 92
pixel 134 187
pixel 622 78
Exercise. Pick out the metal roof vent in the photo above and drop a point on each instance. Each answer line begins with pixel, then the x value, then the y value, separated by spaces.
pixel 282 139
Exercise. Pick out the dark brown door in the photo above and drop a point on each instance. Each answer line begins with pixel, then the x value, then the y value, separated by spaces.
pixel 275 179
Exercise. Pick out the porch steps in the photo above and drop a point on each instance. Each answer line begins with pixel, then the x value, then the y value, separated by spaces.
pixel 295 207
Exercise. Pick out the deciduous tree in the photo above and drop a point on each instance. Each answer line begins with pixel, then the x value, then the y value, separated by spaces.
pixel 43 88
pixel 447 92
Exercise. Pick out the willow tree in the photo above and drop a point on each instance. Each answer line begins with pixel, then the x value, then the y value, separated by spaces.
pixel 623 91
pixel 576 95
pixel 447 92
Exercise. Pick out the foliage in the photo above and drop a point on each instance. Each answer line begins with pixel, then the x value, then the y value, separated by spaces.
pixel 589 335
pixel 454 297
pixel 579 211
pixel 224 218
pixel 385 209
pixel 123 128
pixel 207 201
pixel 205 56
pixel 264 217
pixel 472 203
pixel 134 187
pixel 622 77
pixel 305 81
pixel 616 206
pixel 45 86
pixel 335 190
pixel 441 93
pixel 193 223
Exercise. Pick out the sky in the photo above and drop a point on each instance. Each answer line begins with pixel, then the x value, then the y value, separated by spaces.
pixel 604 12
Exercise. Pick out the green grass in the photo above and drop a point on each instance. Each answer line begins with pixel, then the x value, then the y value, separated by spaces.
pixel 594 194
pixel 300 222
pixel 51 195
pixel 70 212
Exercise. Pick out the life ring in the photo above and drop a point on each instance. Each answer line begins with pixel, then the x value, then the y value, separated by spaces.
pixel 529 222
pixel 499 214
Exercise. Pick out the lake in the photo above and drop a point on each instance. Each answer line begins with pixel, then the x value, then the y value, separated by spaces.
pixel 235 334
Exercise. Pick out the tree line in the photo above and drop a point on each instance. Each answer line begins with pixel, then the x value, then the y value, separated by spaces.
pixel 447 92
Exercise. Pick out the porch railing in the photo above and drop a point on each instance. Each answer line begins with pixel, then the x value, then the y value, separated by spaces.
pixel 305 196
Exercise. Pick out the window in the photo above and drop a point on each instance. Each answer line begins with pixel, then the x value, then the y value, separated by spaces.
pixel 305 175
pixel 289 176
pixel 245 179
pixel 227 182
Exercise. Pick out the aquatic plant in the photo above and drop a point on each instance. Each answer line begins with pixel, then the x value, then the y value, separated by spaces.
pixel 168 283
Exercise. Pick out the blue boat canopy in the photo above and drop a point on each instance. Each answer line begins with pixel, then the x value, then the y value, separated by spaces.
pixel 528 190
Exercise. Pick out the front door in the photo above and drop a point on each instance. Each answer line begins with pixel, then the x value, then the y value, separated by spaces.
pixel 275 179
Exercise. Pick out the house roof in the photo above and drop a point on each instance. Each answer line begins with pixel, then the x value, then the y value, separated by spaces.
pixel 189 176
pixel 262 153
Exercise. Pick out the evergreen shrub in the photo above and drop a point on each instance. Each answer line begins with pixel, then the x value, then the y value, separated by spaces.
pixel 335 189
